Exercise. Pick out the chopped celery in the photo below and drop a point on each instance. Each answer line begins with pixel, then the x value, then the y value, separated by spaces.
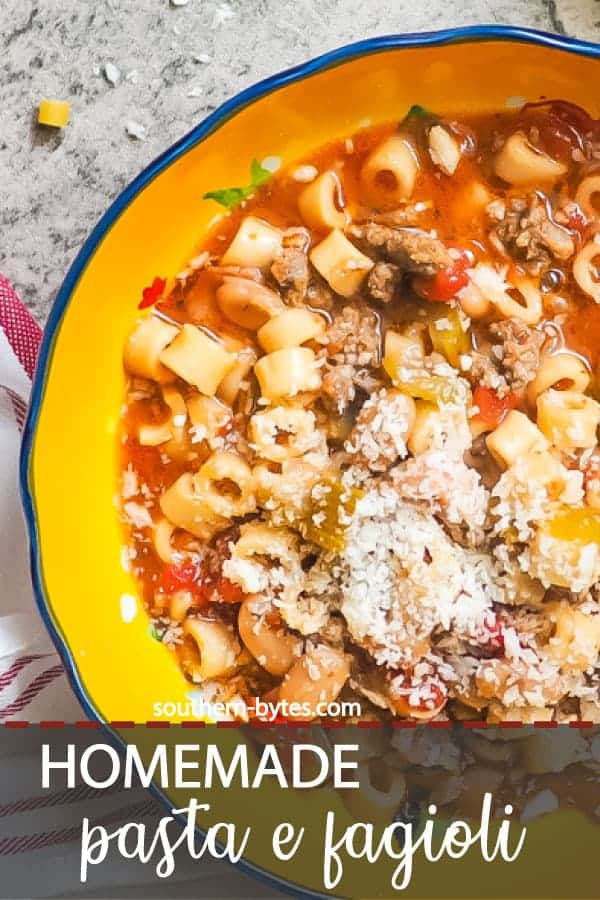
pixel 434 389
pixel 330 515
pixel 451 341
pixel 401 351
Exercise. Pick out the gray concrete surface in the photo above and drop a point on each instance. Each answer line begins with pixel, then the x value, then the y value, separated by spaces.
pixel 174 65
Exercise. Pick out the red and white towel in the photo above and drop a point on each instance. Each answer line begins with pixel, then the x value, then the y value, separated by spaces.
pixel 40 831
pixel 33 685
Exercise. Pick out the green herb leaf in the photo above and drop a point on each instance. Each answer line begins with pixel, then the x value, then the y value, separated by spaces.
pixel 418 112
pixel 230 197
pixel 258 173
pixel 154 633
pixel 227 197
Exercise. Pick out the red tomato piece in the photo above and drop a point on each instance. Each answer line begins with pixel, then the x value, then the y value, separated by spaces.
pixel 493 636
pixel 185 576
pixel 493 408
pixel 561 126
pixel 152 294
pixel 434 694
pixel 435 698
pixel 591 472
pixel 226 591
pixel 448 282
pixel 577 221
pixel 225 428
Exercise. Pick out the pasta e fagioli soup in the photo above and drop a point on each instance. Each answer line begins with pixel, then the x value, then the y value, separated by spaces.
pixel 359 440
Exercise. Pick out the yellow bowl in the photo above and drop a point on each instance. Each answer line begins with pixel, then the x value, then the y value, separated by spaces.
pixel 69 458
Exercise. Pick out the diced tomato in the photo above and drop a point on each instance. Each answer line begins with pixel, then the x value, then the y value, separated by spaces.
pixel 448 282
pixel 561 126
pixel 591 473
pixel 435 698
pixel 273 618
pixel 226 591
pixel 152 294
pixel 221 549
pixel 185 576
pixel 492 407
pixel 493 635
pixel 433 691
pixel 577 118
pixel 204 578
pixel 225 428
pixel 577 221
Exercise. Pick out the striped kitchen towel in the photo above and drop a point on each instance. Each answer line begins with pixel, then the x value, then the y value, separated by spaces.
pixel 40 830
pixel 33 684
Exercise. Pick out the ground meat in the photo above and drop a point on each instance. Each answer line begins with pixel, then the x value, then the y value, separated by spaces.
pixel 290 268
pixel 411 249
pixel 450 489
pixel 566 211
pixel 379 436
pixel 338 386
pixel 334 631
pixel 368 381
pixel 384 278
pixel 591 480
pixel 406 215
pixel 474 538
pixel 519 351
pixel 370 682
pixel 351 343
pixel 217 552
pixel 354 337
pixel 478 457
pixel 484 372
pixel 318 294
pixel 527 232
pixel 251 272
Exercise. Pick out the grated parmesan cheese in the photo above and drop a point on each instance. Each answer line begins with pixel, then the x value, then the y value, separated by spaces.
pixel 137 515
pixel 403 577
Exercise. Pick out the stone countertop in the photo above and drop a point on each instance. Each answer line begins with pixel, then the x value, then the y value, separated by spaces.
pixel 170 62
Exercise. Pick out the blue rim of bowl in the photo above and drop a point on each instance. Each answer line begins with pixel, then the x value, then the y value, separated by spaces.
pixel 470 34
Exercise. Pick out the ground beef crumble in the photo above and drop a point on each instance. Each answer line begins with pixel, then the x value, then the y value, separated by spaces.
pixel 512 359
pixel 484 372
pixel 290 269
pixel 383 282
pixel 338 386
pixel 478 457
pixel 519 351
pixel 379 435
pixel 527 232
pixel 411 249
pixel 318 294
pixel 351 344
pixel 404 215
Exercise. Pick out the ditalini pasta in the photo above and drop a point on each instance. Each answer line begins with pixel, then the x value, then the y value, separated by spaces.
pixel 360 436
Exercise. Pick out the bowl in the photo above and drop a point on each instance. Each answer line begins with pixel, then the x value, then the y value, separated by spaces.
pixel 69 455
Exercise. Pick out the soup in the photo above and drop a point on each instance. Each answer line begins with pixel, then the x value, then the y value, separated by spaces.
pixel 359 447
